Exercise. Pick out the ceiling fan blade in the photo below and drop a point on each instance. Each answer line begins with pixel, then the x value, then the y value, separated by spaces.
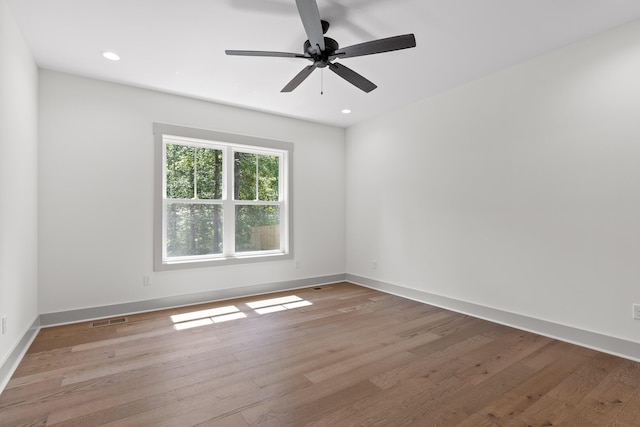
pixel 377 46
pixel 299 78
pixel 265 53
pixel 310 16
pixel 352 77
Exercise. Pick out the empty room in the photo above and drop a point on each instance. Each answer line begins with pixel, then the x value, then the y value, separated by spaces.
pixel 320 213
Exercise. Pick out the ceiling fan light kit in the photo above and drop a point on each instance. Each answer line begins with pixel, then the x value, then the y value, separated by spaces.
pixel 322 51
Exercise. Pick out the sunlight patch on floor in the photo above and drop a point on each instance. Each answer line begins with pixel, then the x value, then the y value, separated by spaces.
pixel 227 317
pixel 278 304
pixel 274 301
pixel 201 314
pixel 194 319
pixel 192 324
pixel 298 304
pixel 271 309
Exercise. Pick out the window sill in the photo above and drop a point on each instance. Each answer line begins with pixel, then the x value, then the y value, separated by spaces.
pixel 220 262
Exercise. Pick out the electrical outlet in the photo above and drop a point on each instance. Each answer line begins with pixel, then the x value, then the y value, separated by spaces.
pixel 374 264
pixel 636 311
pixel 4 325
pixel 146 280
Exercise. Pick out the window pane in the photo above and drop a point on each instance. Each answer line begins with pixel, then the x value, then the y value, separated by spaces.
pixel 268 173
pixel 193 229
pixel 256 177
pixel 257 228
pixel 179 171
pixel 244 176
pixel 208 173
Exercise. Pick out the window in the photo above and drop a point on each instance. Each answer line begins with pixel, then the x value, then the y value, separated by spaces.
pixel 220 198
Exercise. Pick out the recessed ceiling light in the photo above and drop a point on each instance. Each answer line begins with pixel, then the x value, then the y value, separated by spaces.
pixel 346 111
pixel 111 56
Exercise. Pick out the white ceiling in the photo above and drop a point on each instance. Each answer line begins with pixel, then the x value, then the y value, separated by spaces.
pixel 177 46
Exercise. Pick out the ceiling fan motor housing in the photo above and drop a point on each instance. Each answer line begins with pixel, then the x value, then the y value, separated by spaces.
pixel 321 59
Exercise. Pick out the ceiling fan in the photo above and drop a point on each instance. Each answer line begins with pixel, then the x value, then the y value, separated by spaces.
pixel 323 50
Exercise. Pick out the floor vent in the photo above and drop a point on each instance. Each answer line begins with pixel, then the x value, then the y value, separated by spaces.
pixel 108 322
pixel 317 288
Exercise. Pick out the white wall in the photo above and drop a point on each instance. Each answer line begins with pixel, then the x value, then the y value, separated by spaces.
pixel 18 184
pixel 96 194
pixel 520 191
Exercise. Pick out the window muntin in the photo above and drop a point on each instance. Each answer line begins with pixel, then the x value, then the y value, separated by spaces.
pixel 222 202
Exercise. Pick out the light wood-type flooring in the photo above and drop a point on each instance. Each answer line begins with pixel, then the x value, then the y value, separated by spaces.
pixel 342 355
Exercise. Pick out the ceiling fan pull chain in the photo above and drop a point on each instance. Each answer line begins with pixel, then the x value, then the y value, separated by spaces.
pixel 321 81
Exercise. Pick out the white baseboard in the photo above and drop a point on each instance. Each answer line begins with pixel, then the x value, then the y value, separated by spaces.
pixel 94 313
pixel 8 367
pixel 593 340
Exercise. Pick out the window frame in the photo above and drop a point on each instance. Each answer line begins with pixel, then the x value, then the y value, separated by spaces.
pixel 229 143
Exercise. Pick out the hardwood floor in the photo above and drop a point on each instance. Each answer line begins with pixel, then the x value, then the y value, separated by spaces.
pixel 353 357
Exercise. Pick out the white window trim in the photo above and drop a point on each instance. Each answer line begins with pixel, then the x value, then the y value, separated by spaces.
pixel 231 141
